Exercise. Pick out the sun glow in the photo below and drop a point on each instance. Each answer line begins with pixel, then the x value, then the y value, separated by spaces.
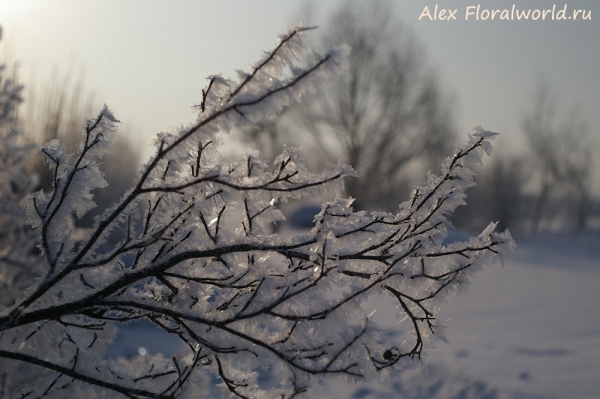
pixel 11 11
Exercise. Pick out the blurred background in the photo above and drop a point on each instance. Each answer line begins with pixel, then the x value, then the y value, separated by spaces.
pixel 415 85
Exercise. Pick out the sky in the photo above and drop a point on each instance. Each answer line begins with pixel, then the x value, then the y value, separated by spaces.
pixel 148 59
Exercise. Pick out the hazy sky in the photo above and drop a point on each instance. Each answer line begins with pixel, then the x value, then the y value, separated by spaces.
pixel 148 59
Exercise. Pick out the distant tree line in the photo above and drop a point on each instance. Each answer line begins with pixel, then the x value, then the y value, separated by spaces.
pixel 387 116
pixel 549 187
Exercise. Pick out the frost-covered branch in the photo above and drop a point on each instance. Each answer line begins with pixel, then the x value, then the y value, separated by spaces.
pixel 198 258
pixel 15 239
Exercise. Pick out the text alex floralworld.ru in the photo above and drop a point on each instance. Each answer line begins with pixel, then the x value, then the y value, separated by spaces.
pixel 477 13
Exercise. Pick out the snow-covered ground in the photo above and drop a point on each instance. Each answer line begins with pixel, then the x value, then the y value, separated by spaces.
pixel 534 325
pixel 530 329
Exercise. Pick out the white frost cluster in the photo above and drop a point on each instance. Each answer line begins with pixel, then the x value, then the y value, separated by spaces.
pixel 199 260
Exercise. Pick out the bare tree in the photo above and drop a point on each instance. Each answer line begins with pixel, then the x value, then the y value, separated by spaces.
pixel 561 157
pixel 385 112
pixel 204 267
